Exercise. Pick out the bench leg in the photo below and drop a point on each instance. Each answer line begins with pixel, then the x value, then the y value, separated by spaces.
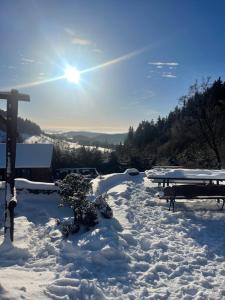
pixel 218 201
pixel 172 203
pixel 223 204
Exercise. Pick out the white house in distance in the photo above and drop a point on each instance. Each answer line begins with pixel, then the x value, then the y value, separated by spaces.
pixel 33 161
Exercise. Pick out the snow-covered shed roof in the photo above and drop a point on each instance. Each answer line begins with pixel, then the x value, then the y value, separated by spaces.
pixel 29 155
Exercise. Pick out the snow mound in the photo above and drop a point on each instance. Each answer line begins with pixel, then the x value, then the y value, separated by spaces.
pixel 22 183
pixel 104 183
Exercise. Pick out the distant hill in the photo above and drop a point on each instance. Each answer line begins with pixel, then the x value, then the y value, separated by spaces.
pixel 24 125
pixel 92 138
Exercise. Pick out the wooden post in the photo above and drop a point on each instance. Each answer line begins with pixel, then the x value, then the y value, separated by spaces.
pixel 11 124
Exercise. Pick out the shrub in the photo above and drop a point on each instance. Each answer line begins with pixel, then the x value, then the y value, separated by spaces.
pixel 73 190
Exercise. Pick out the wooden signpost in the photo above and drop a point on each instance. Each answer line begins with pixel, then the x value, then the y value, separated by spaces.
pixel 11 125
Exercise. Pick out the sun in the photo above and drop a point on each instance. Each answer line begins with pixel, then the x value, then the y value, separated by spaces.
pixel 72 74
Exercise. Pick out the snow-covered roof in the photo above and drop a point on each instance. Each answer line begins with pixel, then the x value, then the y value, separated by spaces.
pixel 29 155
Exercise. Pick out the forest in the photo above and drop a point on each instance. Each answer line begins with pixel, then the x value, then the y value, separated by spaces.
pixel 192 135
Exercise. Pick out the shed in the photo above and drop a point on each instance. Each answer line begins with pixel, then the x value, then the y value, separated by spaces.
pixel 33 161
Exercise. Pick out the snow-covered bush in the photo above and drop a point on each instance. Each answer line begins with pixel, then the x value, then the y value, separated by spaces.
pixel 73 190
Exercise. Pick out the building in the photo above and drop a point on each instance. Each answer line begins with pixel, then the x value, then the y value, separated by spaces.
pixel 33 161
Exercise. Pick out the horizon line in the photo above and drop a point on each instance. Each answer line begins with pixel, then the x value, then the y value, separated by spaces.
pixel 67 129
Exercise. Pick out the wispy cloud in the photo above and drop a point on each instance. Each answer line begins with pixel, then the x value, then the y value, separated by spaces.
pixel 27 60
pixel 81 41
pixel 69 31
pixel 76 39
pixel 168 64
pixel 168 75
pixel 97 50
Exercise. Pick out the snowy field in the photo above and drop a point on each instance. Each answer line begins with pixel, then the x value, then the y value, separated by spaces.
pixel 44 139
pixel 144 252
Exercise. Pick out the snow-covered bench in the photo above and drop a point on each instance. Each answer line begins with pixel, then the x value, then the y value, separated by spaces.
pixel 34 187
pixel 192 191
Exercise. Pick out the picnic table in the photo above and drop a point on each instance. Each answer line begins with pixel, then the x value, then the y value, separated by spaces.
pixel 189 184
pixel 168 176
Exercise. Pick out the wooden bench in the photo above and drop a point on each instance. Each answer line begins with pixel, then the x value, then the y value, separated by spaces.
pixel 192 191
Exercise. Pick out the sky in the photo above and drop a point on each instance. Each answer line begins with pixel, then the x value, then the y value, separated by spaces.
pixel 136 58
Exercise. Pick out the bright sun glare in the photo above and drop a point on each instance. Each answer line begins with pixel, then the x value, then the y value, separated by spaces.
pixel 72 74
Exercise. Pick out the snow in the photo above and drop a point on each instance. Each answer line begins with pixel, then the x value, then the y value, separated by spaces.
pixel 22 183
pixel 43 139
pixel 144 252
pixel 186 173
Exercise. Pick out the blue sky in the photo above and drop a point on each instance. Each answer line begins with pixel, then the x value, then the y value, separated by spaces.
pixel 157 49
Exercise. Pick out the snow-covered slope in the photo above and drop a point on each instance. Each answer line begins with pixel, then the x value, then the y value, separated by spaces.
pixel 44 139
pixel 144 252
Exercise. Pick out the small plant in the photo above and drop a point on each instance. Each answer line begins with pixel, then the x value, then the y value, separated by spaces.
pixel 73 190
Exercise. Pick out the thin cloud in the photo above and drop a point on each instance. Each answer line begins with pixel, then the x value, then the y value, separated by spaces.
pixel 81 41
pixel 158 63
pixel 69 31
pixel 97 50
pixel 27 60
pixel 168 75
pixel 77 40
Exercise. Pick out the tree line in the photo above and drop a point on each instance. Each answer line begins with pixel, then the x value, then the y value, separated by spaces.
pixel 192 135
pixel 23 125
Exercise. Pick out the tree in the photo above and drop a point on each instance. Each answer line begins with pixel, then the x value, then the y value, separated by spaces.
pixel 130 136
pixel 204 108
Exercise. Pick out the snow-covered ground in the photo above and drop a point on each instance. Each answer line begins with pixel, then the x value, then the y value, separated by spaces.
pixel 186 173
pixel 144 252
pixel 43 139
